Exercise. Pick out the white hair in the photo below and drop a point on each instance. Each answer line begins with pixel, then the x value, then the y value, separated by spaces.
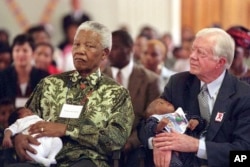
pixel 224 43
pixel 103 31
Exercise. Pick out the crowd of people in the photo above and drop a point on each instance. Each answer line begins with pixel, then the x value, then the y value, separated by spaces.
pixel 93 91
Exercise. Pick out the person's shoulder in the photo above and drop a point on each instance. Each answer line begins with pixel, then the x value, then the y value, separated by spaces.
pixel 8 70
pixel 186 75
pixel 144 72
pixel 109 81
pixel 39 72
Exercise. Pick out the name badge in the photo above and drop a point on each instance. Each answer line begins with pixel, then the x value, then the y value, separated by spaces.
pixel 70 111
pixel 20 101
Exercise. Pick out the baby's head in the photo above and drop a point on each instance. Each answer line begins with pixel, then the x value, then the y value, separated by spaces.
pixel 20 112
pixel 159 106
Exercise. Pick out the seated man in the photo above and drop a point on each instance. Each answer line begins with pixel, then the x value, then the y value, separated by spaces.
pixel 90 111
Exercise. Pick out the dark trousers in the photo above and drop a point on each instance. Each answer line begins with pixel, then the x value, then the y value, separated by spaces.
pixel 80 163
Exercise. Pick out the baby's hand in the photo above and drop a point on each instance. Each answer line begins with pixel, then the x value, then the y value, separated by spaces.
pixel 192 124
pixel 7 143
pixel 161 125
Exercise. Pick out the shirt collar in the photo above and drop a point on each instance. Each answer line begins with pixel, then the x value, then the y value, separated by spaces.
pixel 91 79
pixel 126 71
pixel 213 87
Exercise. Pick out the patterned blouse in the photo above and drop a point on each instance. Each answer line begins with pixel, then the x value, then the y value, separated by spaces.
pixel 104 123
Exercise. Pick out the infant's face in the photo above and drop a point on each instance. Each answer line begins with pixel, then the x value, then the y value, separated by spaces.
pixel 162 106
pixel 24 112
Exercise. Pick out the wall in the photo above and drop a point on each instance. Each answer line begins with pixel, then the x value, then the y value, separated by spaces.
pixel 198 14
pixel 161 14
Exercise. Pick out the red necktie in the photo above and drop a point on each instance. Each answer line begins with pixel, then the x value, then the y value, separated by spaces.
pixel 119 77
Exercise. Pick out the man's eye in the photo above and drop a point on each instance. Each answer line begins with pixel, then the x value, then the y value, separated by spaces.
pixel 76 44
pixel 90 46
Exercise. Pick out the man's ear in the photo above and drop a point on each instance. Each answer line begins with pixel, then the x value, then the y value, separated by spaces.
pixel 222 62
pixel 105 53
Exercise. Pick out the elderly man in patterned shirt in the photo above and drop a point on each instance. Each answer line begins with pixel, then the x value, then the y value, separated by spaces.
pixel 90 112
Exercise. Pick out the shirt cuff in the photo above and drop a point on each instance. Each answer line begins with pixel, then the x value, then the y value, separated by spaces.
pixel 202 152
pixel 150 144
pixel 71 131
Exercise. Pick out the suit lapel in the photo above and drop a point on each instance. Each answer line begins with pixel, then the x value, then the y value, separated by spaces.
pixel 221 109
pixel 135 81
pixel 191 93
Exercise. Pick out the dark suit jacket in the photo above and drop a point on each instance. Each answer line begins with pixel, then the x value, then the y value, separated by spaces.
pixel 233 100
pixel 9 82
pixel 143 88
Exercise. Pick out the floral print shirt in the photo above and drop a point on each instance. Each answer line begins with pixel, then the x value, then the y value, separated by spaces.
pixel 104 123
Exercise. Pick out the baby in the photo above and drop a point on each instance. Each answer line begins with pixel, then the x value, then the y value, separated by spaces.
pixel 156 122
pixel 19 122
pixel 161 107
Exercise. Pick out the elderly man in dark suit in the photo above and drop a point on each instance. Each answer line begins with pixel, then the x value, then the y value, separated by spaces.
pixel 227 99
pixel 141 83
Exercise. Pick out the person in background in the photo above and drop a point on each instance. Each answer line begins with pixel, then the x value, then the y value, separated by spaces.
pixel 227 104
pixel 18 81
pixel 181 55
pixel 40 34
pixel 141 83
pixel 5 56
pixel 90 112
pixel 154 58
pixel 43 58
pixel 167 40
pixel 140 46
pixel 7 106
pixel 4 36
pixel 71 21
pixel 241 36
pixel 149 32
pixel 77 15
pixel 66 47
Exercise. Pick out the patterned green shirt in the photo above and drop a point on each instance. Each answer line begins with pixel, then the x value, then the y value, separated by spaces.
pixel 105 121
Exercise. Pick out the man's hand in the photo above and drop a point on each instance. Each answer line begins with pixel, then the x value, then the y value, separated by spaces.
pixel 22 144
pixel 175 141
pixel 50 129
pixel 161 158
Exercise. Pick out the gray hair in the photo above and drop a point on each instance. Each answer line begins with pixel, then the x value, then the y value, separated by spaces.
pixel 103 31
pixel 224 43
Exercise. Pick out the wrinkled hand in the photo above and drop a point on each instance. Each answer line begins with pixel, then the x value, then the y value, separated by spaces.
pixel 50 129
pixel 176 141
pixel 161 158
pixel 22 143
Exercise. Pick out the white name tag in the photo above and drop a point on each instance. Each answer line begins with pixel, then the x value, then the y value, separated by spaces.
pixel 71 111
pixel 20 101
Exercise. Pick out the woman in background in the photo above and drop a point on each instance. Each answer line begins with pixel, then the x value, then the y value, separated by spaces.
pixel 18 81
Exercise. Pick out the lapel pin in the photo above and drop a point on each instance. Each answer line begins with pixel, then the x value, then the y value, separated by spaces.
pixel 219 116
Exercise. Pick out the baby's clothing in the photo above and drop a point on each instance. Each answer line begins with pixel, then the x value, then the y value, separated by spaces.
pixel 151 125
pixel 49 146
